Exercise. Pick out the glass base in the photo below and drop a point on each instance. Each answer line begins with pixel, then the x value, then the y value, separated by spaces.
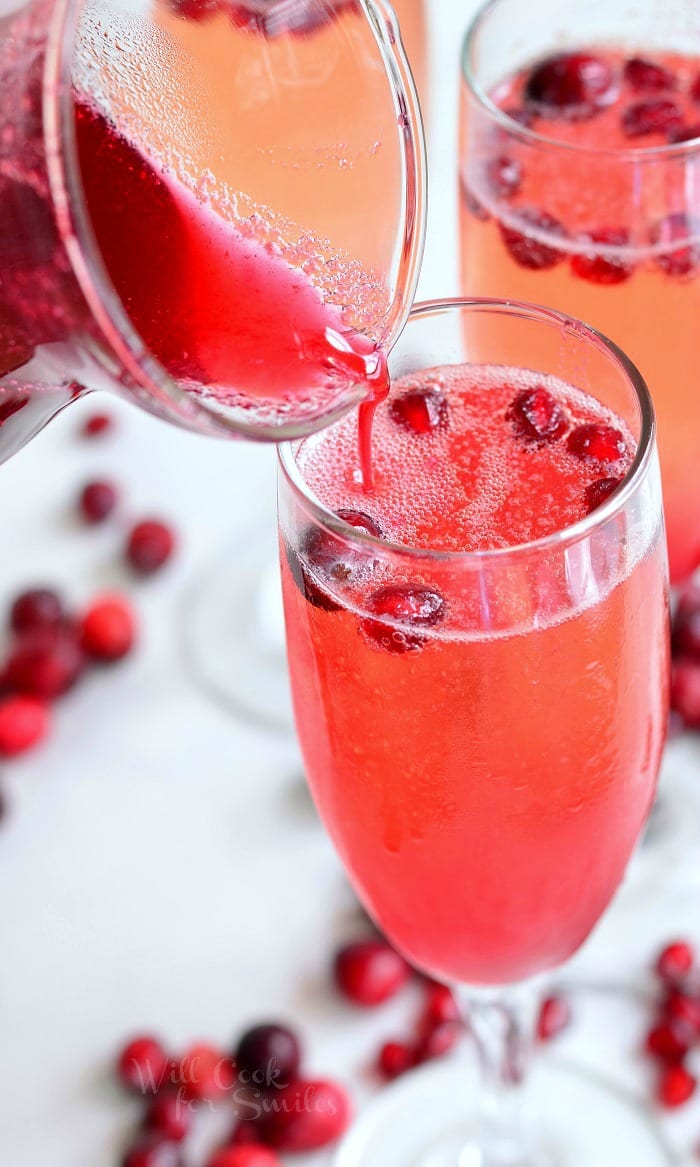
pixel 428 1119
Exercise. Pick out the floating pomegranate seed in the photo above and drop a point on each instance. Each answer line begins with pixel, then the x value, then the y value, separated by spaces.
pixel 268 1055
pixel 151 1151
pixel 648 76
pixel 682 1009
pixel 676 1087
pixel 395 1058
pixel 439 1041
pixel 310 1114
pixel 526 249
pixel 554 1017
pixel 35 609
pixel 685 692
pixel 537 415
pixel 108 629
pixel 657 115
pixel 307 585
pixel 421 410
pixel 597 492
pixel 24 722
pixel 440 1005
pixel 205 1073
pixel 684 133
pixel 143 1065
pixel 571 85
pixel 45 663
pixel 603 269
pixel 669 1043
pixel 504 176
pixel 96 425
pixel 97 501
pixel 369 972
pixel 676 961
pixel 602 443
pixel 684 230
pixel 695 89
pixel 252 1156
pixel 194 9
pixel 415 607
pixel 169 1116
pixel 331 556
pixel 151 544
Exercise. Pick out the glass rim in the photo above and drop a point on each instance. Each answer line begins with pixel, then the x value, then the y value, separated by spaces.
pixel 559 539
pixel 669 150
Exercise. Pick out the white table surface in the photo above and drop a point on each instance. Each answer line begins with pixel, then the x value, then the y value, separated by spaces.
pixel 162 866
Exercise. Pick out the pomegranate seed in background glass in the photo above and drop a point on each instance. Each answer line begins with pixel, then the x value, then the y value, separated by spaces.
pixel 570 85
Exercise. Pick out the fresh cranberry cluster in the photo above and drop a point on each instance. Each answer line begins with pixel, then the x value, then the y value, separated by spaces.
pixel 676 1029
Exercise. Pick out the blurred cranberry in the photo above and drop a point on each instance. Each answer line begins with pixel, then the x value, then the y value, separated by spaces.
pixel 45 663
pixel 676 1087
pixel 308 1114
pixel 648 76
pixel 685 691
pixel 554 1017
pixel 677 234
pixel 169 1116
pixel 151 1151
pixel 36 608
pixel 669 1042
pixel 109 629
pixel 369 972
pixel 652 116
pixel 97 501
pixel 439 1040
pixel 96 425
pixel 682 1008
pixel 246 1133
pixel 143 1065
pixel 268 1055
pixel 205 1073
pixel 572 85
pixel 252 1156
pixel 150 545
pixel 440 1005
pixel 395 1058
pixel 24 722
pixel 675 961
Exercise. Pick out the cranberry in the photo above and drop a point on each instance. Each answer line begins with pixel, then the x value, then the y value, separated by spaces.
pixel 676 961
pixel 45 663
pixel 504 176
pixel 420 410
pixel 526 249
pixel 150 545
pixel 684 133
pixel 572 85
pixel 685 692
pixel 683 1010
pixel 97 501
pixel 537 415
pixel 143 1065
pixel 440 1006
pixel 37 608
pixel 194 9
pixel 331 557
pixel 676 1086
pixel 252 1156
pixel 439 1041
pixel 603 269
pixel 395 1058
pixel 695 89
pixel 597 492
pixel 24 721
pixel 205 1073
pixel 369 972
pixel 602 443
pixel 305 582
pixel 108 629
pixel 684 230
pixel 268 1055
pixel 657 115
pixel 96 425
pixel 151 1151
pixel 648 76
pixel 416 607
pixel 669 1043
pixel 246 1133
pixel 554 1017
pixel 309 1114
pixel 170 1117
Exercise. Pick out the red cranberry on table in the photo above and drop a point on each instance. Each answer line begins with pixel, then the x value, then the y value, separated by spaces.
pixel 169 1116
pixel 97 501
pixel 268 1055
pixel 675 961
pixel 24 722
pixel 204 1073
pixel 45 663
pixel 311 1113
pixel 439 1040
pixel 251 1156
pixel 570 85
pixel 151 1151
pixel 440 1005
pixel 96 425
pixel 682 1008
pixel 537 415
pixel 554 1017
pixel 396 1058
pixel 36 608
pixel 676 1086
pixel 150 545
pixel 108 630
pixel 143 1065
pixel 370 972
pixel 668 1042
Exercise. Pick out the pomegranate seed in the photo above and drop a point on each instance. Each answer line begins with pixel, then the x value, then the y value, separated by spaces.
pixel 421 410
pixel 677 228
pixel 45 663
pixel 268 1055
pixel 537 415
pixel 554 1017
pixel 440 1005
pixel 504 176
pixel 668 1043
pixel 150 545
pixel 685 692
pixel 683 1010
pixel 529 251
pixel 572 85
pixel 108 629
pixel 695 89
pixel 416 607
pixel 310 1114
pixel 602 443
pixel 597 492
pixel 647 76
pixel 35 609
pixel 96 425
pixel 395 1058
pixel 676 1087
pixel 439 1041
pixel 24 721
pixel 332 557
pixel 603 269
pixel 684 133
pixel 97 501
pixel 251 1156
pixel 194 9
pixel 370 972
pixel 143 1065
pixel 151 1151
pixel 658 115
pixel 676 961
pixel 169 1116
